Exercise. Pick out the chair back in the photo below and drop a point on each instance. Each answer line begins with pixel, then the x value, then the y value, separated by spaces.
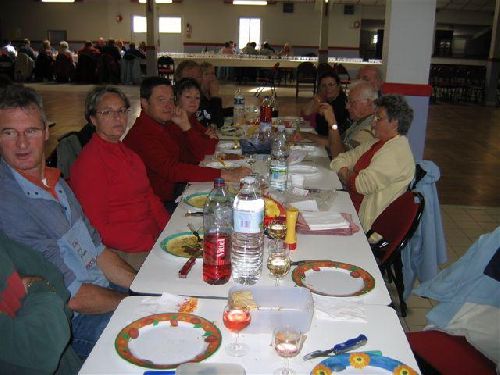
pixel 23 67
pixel 306 73
pixel 63 68
pixel 166 66
pixel 86 68
pixel 397 223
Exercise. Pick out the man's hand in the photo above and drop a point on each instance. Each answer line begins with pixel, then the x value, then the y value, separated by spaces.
pixel 236 174
pixel 180 118
pixel 326 111
pixel 28 280
pixel 313 105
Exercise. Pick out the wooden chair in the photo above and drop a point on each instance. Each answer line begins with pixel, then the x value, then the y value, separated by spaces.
pixel 306 74
pixel 396 224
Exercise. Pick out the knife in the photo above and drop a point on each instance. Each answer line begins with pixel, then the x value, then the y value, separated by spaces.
pixel 343 347
pixel 186 268
pixel 193 213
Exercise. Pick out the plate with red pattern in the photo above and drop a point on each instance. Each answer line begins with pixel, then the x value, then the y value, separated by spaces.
pixel 330 278
pixel 165 341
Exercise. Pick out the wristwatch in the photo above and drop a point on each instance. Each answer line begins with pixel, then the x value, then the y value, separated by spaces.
pixel 334 126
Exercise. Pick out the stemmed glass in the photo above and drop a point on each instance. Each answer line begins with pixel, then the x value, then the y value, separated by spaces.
pixel 235 319
pixel 287 343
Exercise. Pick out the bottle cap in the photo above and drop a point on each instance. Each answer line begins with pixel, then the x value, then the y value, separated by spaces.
pixel 219 181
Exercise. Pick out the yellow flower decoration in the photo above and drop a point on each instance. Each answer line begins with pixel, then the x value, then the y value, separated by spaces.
pixel 359 360
pixel 404 370
pixel 321 370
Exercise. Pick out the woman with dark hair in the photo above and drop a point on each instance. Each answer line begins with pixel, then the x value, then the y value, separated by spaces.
pixel 188 96
pixel 376 173
pixel 111 183
pixel 329 91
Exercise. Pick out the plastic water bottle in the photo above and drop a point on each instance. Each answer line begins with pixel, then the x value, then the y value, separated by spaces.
pixel 247 245
pixel 278 169
pixel 217 228
pixel 239 108
pixel 266 113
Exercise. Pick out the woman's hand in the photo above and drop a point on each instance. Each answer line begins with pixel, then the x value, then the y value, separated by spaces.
pixel 211 132
pixel 313 105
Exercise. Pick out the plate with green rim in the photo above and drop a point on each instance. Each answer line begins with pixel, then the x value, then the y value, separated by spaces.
pixel 331 278
pixel 196 200
pixel 183 244
pixel 165 341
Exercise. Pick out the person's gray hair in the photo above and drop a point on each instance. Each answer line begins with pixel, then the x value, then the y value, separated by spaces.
pixel 376 69
pixel 95 95
pixel 185 64
pixel 366 91
pixel 18 96
pixel 397 108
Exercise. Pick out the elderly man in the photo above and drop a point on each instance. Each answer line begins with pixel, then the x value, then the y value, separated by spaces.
pixel 361 110
pixel 39 209
pixel 210 111
pixel 170 148
pixel 372 75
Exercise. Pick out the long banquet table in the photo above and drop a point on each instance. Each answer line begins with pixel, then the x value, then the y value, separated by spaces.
pixel 159 274
pixel 381 327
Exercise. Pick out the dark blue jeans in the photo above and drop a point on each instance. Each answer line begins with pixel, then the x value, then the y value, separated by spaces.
pixel 87 328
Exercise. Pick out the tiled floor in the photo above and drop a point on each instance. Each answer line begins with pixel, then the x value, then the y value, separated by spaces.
pixel 462 225
pixel 463 140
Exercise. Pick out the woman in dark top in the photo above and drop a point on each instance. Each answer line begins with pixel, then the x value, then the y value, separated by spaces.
pixel 329 91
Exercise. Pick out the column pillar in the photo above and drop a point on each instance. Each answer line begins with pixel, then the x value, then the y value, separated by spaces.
pixel 493 64
pixel 407 60
pixel 152 38
pixel 323 35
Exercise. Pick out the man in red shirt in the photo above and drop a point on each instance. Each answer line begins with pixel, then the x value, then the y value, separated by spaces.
pixel 170 148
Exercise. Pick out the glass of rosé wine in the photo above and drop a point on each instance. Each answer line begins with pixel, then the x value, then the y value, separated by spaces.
pixel 235 319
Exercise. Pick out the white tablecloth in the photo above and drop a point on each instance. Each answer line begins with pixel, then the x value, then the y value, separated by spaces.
pixel 382 329
pixel 159 273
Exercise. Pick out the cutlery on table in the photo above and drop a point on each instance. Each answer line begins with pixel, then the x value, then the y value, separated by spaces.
pixel 343 347
pixel 194 231
pixel 193 213
pixel 186 268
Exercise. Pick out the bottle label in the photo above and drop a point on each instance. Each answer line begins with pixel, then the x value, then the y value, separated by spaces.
pixel 216 249
pixel 278 176
pixel 248 221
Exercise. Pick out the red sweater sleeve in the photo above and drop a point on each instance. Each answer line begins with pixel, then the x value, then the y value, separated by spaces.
pixel 157 151
pixel 160 214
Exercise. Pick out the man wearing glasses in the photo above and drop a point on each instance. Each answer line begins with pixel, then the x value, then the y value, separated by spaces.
pixel 39 210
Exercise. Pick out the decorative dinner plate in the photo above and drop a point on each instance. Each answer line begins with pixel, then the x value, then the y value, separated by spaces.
pixel 183 244
pixel 226 164
pixel 362 363
pixel 303 169
pixel 165 341
pixel 330 278
pixel 196 200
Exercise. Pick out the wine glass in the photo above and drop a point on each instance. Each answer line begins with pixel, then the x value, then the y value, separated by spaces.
pixel 235 319
pixel 278 261
pixel 287 343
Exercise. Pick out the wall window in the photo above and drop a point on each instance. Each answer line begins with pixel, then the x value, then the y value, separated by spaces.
pixel 165 25
pixel 249 31
pixel 139 24
pixel 170 25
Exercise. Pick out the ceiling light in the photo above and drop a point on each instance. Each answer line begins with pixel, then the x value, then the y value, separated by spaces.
pixel 157 1
pixel 249 2
pixel 58 1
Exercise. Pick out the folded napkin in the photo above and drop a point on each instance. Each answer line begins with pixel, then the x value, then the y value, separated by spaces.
pixel 337 226
pixel 339 310
pixel 306 205
pixel 171 302
pixel 322 220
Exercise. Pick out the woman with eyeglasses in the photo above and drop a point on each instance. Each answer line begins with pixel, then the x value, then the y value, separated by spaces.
pixel 111 183
pixel 329 92
pixel 377 172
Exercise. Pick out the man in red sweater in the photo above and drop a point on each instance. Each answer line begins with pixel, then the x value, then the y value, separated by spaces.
pixel 170 148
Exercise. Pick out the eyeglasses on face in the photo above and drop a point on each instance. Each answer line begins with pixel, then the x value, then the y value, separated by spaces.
pixel 113 113
pixel 327 85
pixel 12 134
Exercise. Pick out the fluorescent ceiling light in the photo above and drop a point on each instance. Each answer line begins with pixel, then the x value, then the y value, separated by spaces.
pixel 157 1
pixel 58 1
pixel 249 2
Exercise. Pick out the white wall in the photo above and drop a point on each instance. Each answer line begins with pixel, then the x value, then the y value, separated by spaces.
pixel 213 21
